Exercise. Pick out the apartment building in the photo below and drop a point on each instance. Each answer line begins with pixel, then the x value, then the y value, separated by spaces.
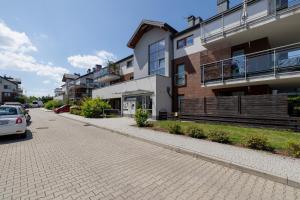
pixel 76 86
pixel 8 90
pixel 250 49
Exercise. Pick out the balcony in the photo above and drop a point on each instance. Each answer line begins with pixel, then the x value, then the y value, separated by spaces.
pixel 108 74
pixel 276 64
pixel 259 13
pixel 81 84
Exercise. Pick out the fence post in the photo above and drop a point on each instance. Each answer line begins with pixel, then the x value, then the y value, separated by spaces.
pixel 204 105
pixel 240 105
pixel 222 71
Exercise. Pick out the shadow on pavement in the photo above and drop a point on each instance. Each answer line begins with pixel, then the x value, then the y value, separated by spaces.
pixel 7 139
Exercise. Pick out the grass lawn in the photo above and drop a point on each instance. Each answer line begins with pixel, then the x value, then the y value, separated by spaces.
pixel 278 139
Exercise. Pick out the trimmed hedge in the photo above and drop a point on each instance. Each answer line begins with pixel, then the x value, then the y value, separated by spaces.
pixel 93 108
pixel 50 105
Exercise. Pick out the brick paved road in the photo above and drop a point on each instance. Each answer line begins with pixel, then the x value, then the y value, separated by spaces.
pixel 66 160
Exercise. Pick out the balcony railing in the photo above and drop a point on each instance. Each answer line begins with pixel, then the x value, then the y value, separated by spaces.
pixel 107 74
pixel 272 62
pixel 258 11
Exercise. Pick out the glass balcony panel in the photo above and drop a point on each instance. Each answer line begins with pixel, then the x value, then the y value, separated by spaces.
pixel 259 64
pixel 288 60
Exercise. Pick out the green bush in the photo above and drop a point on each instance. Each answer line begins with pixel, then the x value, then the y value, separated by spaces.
pixel 196 132
pixel 256 141
pixel 175 129
pixel 75 110
pixel 52 104
pixel 141 117
pixel 293 148
pixel 93 108
pixel 218 136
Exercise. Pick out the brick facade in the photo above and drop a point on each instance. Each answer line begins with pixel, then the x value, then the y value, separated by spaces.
pixel 193 63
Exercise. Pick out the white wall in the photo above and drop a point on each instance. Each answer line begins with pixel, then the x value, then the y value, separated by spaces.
pixel 155 84
pixel 256 10
pixel 141 52
pixel 163 99
pixel 196 47
pixel 124 69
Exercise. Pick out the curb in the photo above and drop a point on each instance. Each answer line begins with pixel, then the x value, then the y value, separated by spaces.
pixel 208 158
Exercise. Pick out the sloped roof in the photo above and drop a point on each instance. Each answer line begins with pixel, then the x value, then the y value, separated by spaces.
pixel 145 26
pixel 69 76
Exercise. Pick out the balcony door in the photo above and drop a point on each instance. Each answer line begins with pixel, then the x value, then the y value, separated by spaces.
pixel 238 63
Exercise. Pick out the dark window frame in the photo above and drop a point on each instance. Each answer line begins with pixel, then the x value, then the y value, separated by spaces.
pixel 130 63
pixel 157 58
pixel 185 42
pixel 184 75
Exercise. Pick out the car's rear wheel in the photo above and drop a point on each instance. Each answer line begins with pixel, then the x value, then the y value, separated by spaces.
pixel 23 135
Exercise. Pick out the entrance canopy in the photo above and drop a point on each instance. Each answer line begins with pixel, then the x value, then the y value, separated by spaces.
pixel 135 93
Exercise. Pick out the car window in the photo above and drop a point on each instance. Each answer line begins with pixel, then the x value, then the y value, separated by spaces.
pixel 8 111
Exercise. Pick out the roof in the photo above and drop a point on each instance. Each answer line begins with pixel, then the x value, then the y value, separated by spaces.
pixel 9 80
pixel 69 76
pixel 145 26
pixel 123 59
pixel 187 30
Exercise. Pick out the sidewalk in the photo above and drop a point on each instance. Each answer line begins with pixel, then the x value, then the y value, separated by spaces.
pixel 274 167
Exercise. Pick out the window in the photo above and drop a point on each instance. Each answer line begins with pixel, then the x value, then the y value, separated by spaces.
pixel 6 87
pixel 157 58
pixel 8 111
pixel 6 94
pixel 180 99
pixel 129 63
pixel 180 76
pixel 185 42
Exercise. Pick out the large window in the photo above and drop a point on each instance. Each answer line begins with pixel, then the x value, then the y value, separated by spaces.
pixel 180 76
pixel 185 42
pixel 157 58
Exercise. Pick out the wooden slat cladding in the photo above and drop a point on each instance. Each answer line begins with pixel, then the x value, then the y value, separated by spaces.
pixel 263 106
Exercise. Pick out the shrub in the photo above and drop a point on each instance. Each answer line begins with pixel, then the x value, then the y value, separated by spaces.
pixel 294 149
pixel 141 117
pixel 256 141
pixel 52 104
pixel 175 129
pixel 196 132
pixel 93 108
pixel 75 110
pixel 218 136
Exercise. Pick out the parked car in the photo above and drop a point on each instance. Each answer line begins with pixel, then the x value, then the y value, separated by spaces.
pixel 37 104
pixel 26 112
pixel 12 120
pixel 62 109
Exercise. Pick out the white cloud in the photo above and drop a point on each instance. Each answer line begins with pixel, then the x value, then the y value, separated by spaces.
pixel 15 49
pixel 46 81
pixel 89 61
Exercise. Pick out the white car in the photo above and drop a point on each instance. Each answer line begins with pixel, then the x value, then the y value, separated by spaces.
pixel 37 104
pixel 12 120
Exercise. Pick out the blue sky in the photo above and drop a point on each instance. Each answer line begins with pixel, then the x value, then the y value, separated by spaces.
pixel 40 40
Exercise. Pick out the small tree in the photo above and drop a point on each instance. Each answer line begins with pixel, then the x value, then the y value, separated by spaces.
pixel 93 108
pixel 141 117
